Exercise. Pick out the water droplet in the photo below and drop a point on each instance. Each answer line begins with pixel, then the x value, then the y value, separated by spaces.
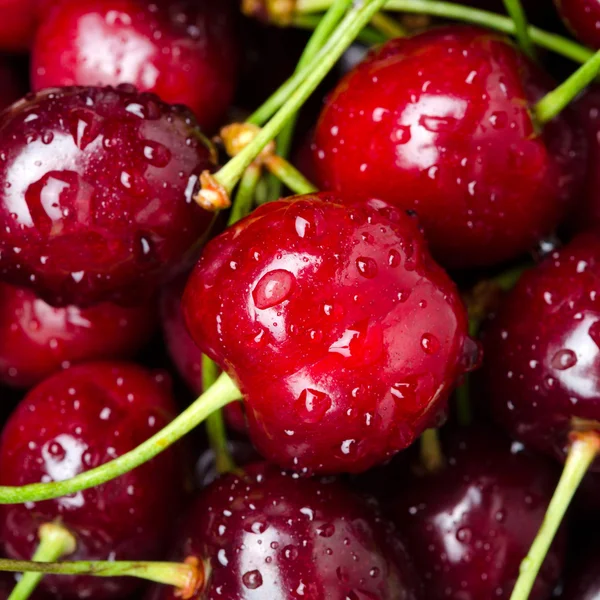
pixel 394 258
pixel 252 579
pixel 367 267
pixel 257 527
pixel 326 530
pixel 464 535
pixel 85 126
pixel 437 124
pixel 156 154
pixel 594 332
pixel 402 134
pixel 290 552
pixel 498 119
pixel 430 343
pixel 312 405
pixel 564 359
pixel 273 288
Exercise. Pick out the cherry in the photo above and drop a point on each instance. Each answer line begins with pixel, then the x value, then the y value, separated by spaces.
pixel 268 534
pixel 539 372
pixel 583 18
pixel 469 525
pixel 36 339
pixel 109 172
pixel 584 584
pixel 11 86
pixel 184 51
pixel 342 317
pixel 72 422
pixel 441 123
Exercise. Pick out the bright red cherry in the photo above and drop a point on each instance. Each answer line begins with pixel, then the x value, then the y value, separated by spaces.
pixel 469 525
pixel 37 339
pixel 96 193
pixel 583 18
pixel 342 317
pixel 542 351
pixel 441 123
pixel 72 422
pixel 183 51
pixel 271 535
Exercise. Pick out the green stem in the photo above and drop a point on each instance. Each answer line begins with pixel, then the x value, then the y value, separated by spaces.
pixel 55 542
pixel 289 175
pixel 458 12
pixel 245 194
pixel 559 98
pixel 388 26
pixel 367 36
pixel 432 456
pixel 582 453
pixel 515 11
pixel 220 394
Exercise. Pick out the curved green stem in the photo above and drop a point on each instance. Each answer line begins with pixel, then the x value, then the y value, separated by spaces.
pixel 559 98
pixel 221 393
pixel 388 26
pixel 289 175
pixel 515 11
pixel 584 449
pixel 432 456
pixel 55 542
pixel 368 35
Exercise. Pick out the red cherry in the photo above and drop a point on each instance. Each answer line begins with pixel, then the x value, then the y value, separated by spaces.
pixel 37 339
pixel 583 18
pixel 96 200
pixel 271 535
pixel 469 525
pixel 72 422
pixel 441 123
pixel 343 334
pixel 184 51
pixel 11 86
pixel 584 583
pixel 543 350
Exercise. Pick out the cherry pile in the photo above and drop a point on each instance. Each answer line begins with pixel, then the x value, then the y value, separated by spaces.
pixel 343 347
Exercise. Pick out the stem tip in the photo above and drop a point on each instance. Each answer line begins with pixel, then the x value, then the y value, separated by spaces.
pixel 212 195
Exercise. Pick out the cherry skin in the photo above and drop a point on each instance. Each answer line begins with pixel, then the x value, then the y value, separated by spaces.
pixel 183 51
pixel 110 172
pixel 342 317
pixel 37 339
pixel 542 351
pixel 441 123
pixel 270 535
pixel 469 525
pixel 584 584
pixel 582 17
pixel 72 422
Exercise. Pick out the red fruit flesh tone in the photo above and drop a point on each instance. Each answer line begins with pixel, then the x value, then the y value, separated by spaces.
pixel 271 535
pixel 343 334
pixel 183 51
pixel 469 525
pixel 583 18
pixel 72 422
pixel 96 201
pixel 37 339
pixel 541 373
pixel 441 123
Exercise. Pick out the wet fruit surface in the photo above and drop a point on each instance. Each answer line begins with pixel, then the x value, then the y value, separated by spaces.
pixel 469 525
pixel 311 315
pixel 183 51
pixel 96 200
pixel 37 339
pixel 583 18
pixel 73 422
pixel 269 534
pixel 441 123
pixel 540 373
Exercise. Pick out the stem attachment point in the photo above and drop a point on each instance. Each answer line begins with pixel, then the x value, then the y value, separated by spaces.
pixel 212 195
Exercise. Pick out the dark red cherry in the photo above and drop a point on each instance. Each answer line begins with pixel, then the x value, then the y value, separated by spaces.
pixel 343 334
pixel 96 193
pixel 441 123
pixel 11 86
pixel 271 535
pixel 583 19
pixel 584 582
pixel 37 339
pixel 469 525
pixel 72 422
pixel 184 51
pixel 542 351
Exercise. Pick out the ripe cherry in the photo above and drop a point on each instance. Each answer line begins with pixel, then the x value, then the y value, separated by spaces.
pixel 584 583
pixel 72 422
pixel 268 534
pixel 343 317
pixel 183 51
pixel 37 339
pixel 110 172
pixel 583 19
pixel 441 123
pixel 469 525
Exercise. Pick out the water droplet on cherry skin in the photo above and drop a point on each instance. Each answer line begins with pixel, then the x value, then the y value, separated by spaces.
pixel 273 288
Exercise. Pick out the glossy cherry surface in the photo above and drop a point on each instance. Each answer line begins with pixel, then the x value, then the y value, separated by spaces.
pixel 342 317
pixel 469 525
pixel 96 201
pixel 37 339
pixel 72 422
pixel 183 51
pixel 542 351
pixel 583 19
pixel 272 535
pixel 441 123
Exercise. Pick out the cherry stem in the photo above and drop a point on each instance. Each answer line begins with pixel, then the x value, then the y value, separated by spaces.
pixel 367 36
pixel 559 98
pixel 388 26
pixel 584 449
pixel 515 11
pixel 55 542
pixel 458 12
pixel 432 456
pixel 188 576
pixel 245 194
pixel 289 175
pixel 217 396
